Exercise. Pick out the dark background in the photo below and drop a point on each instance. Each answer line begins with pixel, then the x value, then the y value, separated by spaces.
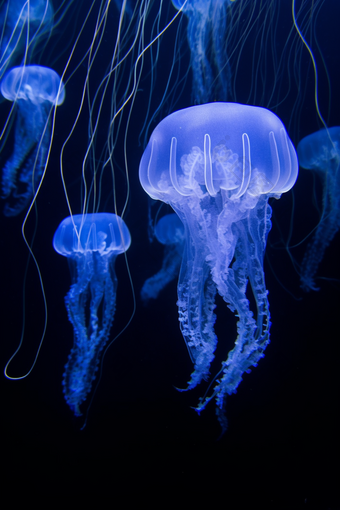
pixel 143 437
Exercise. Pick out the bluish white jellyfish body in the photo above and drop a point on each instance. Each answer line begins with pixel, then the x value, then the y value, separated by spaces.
pixel 91 243
pixel 35 90
pixel 22 23
pixel 217 165
pixel 206 34
pixel 320 152
pixel 170 232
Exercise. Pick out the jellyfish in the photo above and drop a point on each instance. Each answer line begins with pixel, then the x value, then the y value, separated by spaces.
pixel 170 232
pixel 320 151
pixel 35 90
pixel 23 23
pixel 91 243
pixel 128 7
pixel 217 165
pixel 206 34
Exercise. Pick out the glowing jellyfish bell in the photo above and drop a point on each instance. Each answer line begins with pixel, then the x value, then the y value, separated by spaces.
pixel 320 152
pixel 170 232
pixel 217 165
pixel 91 243
pixel 35 91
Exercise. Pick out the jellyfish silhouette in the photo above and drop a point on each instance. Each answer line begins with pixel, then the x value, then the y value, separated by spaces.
pixel 35 90
pixel 170 232
pixel 206 34
pixel 217 165
pixel 91 243
pixel 23 25
pixel 128 7
pixel 320 151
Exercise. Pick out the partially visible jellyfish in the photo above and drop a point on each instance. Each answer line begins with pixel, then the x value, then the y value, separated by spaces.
pixel 22 23
pixel 91 243
pixel 170 232
pixel 128 7
pixel 35 90
pixel 206 34
pixel 217 165
pixel 320 151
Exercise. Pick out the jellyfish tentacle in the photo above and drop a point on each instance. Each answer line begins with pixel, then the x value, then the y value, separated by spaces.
pixel 23 24
pixel 206 35
pixel 169 231
pixel 198 37
pixel 253 335
pixel 320 152
pixel 95 287
pixel 223 78
pixel 196 317
pixel 169 270
pixel 22 171
pixel 325 232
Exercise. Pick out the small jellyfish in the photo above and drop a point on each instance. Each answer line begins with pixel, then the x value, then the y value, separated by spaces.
pixel 170 232
pixel 320 151
pixel 91 243
pixel 35 90
pixel 217 165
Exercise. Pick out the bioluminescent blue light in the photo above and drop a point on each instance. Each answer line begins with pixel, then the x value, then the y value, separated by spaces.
pixel 217 165
pixel 170 232
pixel 128 7
pixel 91 243
pixel 320 151
pixel 206 34
pixel 35 90
pixel 22 24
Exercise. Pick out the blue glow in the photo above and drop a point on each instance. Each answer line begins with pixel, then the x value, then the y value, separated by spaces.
pixel 92 243
pixel 217 165
pixel 22 22
pixel 128 7
pixel 170 232
pixel 34 90
pixel 206 34
pixel 320 152
pixel 126 66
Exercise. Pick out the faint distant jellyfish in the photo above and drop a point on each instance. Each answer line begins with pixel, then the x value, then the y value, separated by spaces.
pixel 170 232
pixel 91 243
pixel 23 23
pixel 206 34
pixel 128 8
pixel 35 90
pixel 217 165
pixel 320 151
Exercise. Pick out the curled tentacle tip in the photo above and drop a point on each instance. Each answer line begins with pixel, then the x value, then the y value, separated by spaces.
pixel 182 389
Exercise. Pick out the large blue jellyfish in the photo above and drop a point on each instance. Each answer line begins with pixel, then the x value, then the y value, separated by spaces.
pixel 217 165
pixel 23 23
pixel 91 243
pixel 206 33
pixel 320 151
pixel 170 232
pixel 35 90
